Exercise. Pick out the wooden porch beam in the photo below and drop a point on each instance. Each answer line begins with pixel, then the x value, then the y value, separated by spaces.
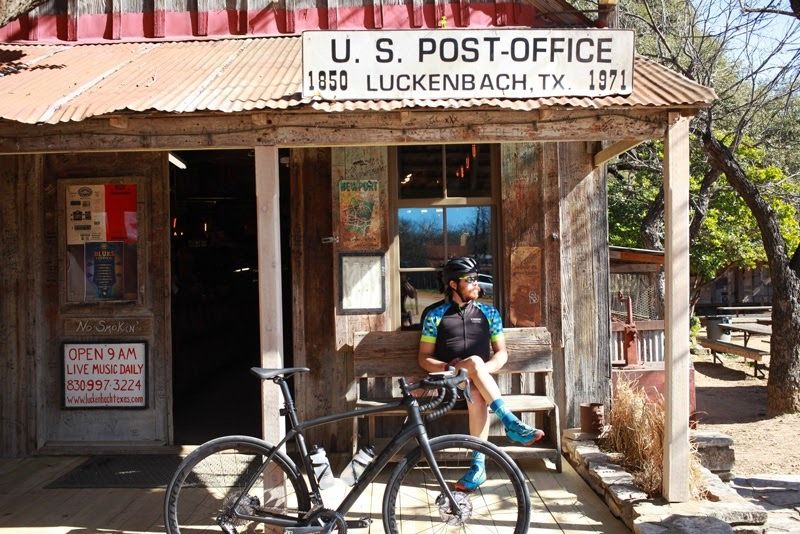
pixel 308 128
pixel 676 332
pixel 269 286
pixel 615 150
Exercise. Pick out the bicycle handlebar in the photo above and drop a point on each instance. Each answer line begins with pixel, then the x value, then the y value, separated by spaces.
pixel 446 383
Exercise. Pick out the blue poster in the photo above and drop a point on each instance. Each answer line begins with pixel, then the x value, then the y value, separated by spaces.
pixel 104 268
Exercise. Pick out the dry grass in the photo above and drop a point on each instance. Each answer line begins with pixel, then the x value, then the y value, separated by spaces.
pixel 636 431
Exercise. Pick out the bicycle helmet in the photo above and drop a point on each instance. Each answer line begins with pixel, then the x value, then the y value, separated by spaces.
pixel 457 267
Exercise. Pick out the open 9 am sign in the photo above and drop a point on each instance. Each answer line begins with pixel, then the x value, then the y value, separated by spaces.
pixel 105 375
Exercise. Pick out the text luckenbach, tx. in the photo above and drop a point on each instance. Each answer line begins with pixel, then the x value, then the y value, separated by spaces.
pixel 487 63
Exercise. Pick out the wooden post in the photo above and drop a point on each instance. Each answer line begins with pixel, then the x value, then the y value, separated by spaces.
pixel 270 303
pixel 676 320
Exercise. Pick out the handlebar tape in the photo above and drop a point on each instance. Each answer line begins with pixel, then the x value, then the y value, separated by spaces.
pixel 452 397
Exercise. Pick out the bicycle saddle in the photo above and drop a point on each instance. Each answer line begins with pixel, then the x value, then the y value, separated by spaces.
pixel 265 374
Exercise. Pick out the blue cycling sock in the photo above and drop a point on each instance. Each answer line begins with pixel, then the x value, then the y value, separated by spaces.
pixel 478 458
pixel 507 417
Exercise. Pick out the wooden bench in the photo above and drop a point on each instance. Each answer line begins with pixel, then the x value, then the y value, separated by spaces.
pixel 747 353
pixel 394 354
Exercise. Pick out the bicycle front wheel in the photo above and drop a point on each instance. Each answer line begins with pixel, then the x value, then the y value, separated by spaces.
pixel 414 501
pixel 203 493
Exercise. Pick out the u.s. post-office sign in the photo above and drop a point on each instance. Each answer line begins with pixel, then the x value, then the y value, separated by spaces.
pixel 490 63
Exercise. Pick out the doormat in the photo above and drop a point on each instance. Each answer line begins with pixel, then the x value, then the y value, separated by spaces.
pixel 121 471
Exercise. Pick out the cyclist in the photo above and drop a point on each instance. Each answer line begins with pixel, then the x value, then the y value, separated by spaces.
pixel 458 333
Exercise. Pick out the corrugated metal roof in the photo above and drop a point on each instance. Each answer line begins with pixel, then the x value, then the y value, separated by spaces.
pixel 60 83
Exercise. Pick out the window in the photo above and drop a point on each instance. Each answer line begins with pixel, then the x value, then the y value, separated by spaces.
pixel 444 210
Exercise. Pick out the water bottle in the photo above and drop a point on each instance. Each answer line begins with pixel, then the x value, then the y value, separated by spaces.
pixel 322 467
pixel 357 465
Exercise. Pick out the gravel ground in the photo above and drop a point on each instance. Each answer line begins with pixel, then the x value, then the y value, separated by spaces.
pixel 732 401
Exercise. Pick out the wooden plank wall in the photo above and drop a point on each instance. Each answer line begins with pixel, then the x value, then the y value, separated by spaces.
pixel 22 271
pixel 583 238
pixel 359 163
pixel 318 392
pixel 522 221
pixel 86 426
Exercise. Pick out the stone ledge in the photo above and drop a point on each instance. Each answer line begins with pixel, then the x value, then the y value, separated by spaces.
pixel 725 511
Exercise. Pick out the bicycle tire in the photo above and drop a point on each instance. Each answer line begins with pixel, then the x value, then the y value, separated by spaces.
pixel 411 503
pixel 209 480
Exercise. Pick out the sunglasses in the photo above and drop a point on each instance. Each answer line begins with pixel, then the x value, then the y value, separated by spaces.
pixel 470 279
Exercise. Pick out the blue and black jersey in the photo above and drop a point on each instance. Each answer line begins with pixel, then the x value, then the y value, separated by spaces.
pixel 462 332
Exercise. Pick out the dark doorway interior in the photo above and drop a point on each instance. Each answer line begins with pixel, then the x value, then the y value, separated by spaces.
pixel 215 324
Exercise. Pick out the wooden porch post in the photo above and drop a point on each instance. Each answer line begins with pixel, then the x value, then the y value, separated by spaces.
pixel 676 320
pixel 270 305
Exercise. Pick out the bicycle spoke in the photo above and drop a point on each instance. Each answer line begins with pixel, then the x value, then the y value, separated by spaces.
pixel 415 501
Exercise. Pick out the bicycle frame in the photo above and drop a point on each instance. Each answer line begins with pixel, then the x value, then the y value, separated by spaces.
pixel 413 427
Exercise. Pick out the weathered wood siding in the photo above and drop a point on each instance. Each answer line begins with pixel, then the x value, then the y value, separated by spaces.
pixel 583 250
pixel 151 425
pixel 22 271
pixel 318 392
pixel 358 163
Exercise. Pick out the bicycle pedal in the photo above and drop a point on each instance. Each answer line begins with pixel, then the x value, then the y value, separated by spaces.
pixel 359 523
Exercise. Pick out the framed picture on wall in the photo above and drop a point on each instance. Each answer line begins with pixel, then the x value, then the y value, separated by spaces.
pixel 362 279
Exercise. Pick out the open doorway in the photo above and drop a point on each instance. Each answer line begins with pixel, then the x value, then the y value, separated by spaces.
pixel 215 322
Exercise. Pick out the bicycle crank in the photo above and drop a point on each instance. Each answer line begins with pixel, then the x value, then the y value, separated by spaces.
pixel 329 521
pixel 464 509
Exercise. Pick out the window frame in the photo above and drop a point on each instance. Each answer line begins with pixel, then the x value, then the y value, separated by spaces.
pixel 396 203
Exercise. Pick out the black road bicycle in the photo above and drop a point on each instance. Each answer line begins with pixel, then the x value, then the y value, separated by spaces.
pixel 244 484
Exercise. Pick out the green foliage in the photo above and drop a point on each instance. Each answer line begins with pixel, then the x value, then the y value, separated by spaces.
pixel 694 326
pixel 729 235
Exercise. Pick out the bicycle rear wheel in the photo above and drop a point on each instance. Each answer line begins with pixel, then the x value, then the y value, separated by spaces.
pixel 207 484
pixel 414 502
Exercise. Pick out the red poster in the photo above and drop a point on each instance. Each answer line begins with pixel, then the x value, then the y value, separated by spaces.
pixel 121 224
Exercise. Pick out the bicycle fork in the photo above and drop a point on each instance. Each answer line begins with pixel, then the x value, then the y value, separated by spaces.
pixel 424 444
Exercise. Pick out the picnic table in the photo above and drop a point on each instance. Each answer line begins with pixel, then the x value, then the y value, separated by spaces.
pixel 749 329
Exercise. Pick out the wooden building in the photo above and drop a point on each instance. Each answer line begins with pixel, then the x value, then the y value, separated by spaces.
pixel 240 217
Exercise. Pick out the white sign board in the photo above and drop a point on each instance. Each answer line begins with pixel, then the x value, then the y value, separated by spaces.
pixel 105 375
pixel 490 63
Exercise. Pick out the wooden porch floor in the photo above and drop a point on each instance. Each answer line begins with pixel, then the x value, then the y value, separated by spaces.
pixel 562 502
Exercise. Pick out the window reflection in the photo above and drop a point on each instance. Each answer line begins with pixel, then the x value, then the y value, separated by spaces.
pixel 421 236
pixel 430 235
pixel 468 171
pixel 419 171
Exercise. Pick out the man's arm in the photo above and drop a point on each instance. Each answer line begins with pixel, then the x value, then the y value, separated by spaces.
pixel 427 361
pixel 500 356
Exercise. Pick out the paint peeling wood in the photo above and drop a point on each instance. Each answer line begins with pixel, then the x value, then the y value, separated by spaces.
pixel 243 15
pixel 201 16
pixel 288 12
pixel 73 13
pixel 584 282
pixel 299 129
pixel 159 18
pixel 116 19
pixel 377 13
pixel 463 8
pixel 32 22
pixel 416 14
pixel 333 14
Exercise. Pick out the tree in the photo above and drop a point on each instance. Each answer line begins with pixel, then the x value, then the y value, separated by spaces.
pixel 756 73
pixel 12 9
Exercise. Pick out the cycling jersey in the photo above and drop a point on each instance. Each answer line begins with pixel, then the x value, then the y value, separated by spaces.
pixel 462 332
